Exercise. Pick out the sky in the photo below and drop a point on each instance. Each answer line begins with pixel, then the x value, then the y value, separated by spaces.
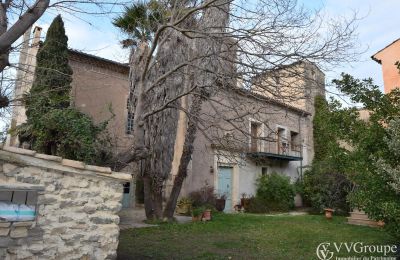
pixel 377 28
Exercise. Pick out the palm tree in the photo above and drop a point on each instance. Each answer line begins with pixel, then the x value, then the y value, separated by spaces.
pixel 139 22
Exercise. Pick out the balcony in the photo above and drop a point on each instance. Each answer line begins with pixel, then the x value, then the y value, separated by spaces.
pixel 275 149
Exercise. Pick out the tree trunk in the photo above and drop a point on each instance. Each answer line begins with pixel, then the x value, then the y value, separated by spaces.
pixel 157 204
pixel 185 159
pixel 25 21
pixel 217 19
pixel 4 61
pixel 148 200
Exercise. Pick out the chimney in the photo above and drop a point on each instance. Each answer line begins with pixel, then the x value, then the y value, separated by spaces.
pixel 36 35
pixel 25 47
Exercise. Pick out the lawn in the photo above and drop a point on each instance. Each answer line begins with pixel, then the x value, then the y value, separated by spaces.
pixel 243 236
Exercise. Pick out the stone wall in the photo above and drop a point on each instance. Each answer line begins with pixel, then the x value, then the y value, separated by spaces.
pixel 77 208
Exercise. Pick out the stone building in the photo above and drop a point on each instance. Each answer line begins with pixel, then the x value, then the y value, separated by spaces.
pixel 280 140
pixel 100 89
pixel 278 137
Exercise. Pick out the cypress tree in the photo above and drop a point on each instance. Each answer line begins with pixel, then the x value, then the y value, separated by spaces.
pixel 53 126
pixel 53 75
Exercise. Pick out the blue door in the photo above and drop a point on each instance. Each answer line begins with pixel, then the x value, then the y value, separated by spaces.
pixel 225 185
pixel 126 198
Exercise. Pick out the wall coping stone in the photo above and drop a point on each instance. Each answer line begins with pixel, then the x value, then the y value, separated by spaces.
pixel 19 150
pixel 21 186
pixel 49 157
pixel 29 158
pixel 72 163
pixel 98 169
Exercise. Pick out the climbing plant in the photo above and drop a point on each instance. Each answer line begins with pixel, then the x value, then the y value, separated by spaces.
pixel 325 184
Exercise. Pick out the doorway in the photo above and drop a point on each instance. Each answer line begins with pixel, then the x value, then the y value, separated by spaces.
pixel 225 185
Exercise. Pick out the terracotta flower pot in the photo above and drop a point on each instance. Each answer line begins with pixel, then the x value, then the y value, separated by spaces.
pixel 328 213
pixel 196 218
pixel 380 223
pixel 207 215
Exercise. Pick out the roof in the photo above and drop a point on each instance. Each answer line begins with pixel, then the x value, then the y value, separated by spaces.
pixel 387 46
pixel 119 67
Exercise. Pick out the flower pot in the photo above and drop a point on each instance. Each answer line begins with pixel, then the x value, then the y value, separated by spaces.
pixel 207 215
pixel 184 208
pixel 196 218
pixel 380 223
pixel 244 202
pixel 220 204
pixel 328 213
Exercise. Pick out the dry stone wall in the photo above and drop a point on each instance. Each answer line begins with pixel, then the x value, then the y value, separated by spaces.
pixel 77 207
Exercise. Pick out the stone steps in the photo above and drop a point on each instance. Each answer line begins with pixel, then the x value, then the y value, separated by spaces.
pixel 362 222
pixel 359 215
pixel 360 218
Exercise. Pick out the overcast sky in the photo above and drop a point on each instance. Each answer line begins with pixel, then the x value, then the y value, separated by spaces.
pixel 379 27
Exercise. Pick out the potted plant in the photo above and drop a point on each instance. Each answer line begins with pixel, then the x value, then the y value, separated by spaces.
pixel 244 201
pixel 197 213
pixel 206 215
pixel 220 202
pixel 328 213
pixel 184 206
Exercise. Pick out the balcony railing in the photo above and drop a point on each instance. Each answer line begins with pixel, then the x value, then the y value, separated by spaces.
pixel 262 148
pixel 275 148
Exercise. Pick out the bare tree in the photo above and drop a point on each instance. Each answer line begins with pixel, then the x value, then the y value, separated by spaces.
pixel 206 51
pixel 17 16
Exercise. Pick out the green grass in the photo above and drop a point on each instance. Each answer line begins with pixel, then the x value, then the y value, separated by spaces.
pixel 244 236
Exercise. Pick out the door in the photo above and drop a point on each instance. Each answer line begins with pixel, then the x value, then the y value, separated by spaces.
pixel 225 185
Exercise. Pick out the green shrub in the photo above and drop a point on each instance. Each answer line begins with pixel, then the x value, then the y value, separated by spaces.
pixel 276 192
pixel 256 205
pixel 326 190
pixel 198 211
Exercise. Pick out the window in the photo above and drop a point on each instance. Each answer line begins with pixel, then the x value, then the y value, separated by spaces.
pixel 129 123
pixel 295 141
pixel 254 137
pixel 264 171
pixel 282 141
pixel 127 187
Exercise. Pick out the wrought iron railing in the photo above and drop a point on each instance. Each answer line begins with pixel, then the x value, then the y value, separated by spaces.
pixel 275 146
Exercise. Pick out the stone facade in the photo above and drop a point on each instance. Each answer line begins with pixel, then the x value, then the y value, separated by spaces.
pixel 289 118
pixel 77 208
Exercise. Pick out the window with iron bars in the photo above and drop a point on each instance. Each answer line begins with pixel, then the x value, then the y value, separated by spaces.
pixel 129 123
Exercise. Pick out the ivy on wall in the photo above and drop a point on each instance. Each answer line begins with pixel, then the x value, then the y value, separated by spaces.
pixel 325 185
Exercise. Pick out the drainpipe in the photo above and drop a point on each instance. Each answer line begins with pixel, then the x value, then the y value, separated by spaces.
pixel 301 149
